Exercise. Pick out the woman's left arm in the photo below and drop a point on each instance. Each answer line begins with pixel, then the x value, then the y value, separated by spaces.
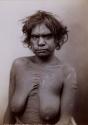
pixel 68 96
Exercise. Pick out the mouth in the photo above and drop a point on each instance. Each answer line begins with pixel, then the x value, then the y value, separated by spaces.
pixel 42 51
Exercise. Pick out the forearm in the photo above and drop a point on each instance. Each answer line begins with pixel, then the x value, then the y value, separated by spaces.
pixel 8 117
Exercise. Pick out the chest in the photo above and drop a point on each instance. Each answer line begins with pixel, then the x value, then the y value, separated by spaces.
pixel 50 79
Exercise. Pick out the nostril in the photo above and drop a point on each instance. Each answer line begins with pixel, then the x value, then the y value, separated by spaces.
pixel 41 42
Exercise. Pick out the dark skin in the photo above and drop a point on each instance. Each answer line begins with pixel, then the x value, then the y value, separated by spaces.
pixel 56 83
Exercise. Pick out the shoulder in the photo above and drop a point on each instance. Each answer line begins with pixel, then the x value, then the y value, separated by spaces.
pixel 69 72
pixel 68 69
pixel 21 62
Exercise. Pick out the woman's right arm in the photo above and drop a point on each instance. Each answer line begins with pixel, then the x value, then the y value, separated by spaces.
pixel 9 115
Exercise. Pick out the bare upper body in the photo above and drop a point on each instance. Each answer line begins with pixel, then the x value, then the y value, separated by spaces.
pixel 42 89
pixel 41 93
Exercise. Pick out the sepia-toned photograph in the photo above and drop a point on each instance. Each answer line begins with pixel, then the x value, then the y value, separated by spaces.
pixel 43 69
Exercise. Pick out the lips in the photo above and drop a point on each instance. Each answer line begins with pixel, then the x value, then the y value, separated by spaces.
pixel 41 50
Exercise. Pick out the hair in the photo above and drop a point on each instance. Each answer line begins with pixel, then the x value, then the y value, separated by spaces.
pixel 58 30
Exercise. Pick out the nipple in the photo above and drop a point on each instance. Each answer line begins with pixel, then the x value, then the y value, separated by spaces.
pixel 47 118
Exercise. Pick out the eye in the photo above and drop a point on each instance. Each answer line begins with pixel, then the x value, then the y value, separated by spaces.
pixel 34 37
pixel 48 36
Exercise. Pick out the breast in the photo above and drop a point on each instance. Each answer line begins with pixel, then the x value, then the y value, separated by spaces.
pixel 49 105
pixel 22 90
pixel 49 93
pixel 18 102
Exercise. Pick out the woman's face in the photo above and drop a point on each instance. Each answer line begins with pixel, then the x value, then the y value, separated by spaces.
pixel 42 41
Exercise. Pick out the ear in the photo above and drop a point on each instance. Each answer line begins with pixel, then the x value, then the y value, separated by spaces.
pixel 56 47
pixel 30 45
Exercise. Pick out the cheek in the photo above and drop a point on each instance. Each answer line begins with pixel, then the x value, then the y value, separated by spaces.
pixel 52 45
pixel 34 45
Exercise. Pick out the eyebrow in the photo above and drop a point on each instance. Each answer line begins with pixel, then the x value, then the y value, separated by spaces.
pixel 42 35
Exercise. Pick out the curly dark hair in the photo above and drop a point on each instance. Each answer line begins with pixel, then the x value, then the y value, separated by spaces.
pixel 58 30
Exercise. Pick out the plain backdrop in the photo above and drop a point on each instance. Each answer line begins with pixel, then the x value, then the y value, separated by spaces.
pixel 72 13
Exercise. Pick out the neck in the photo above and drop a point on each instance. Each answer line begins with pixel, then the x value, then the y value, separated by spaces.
pixel 46 60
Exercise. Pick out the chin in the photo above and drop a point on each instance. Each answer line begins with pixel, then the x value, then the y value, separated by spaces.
pixel 42 54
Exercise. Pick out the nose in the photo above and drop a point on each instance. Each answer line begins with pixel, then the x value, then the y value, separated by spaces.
pixel 41 42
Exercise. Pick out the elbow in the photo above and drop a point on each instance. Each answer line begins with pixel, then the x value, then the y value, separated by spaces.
pixel 16 106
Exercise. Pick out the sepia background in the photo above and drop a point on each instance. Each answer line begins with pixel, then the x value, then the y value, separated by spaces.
pixel 74 14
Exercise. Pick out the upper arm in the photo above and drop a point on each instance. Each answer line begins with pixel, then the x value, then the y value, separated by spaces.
pixel 12 81
pixel 13 74
pixel 9 116
pixel 69 91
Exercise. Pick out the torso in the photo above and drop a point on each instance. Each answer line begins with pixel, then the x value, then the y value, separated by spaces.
pixel 38 91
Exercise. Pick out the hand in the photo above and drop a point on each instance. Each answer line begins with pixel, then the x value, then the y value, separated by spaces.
pixel 68 121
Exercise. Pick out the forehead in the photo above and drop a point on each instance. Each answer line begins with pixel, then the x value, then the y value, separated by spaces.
pixel 40 29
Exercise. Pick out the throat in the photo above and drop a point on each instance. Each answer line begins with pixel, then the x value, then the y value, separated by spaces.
pixel 48 60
